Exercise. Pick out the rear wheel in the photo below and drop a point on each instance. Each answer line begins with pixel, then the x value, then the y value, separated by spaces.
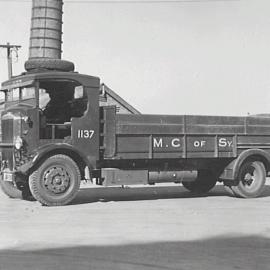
pixel 56 181
pixel 205 181
pixel 251 180
pixel 229 190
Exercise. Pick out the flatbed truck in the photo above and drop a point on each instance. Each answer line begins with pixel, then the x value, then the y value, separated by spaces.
pixel 55 133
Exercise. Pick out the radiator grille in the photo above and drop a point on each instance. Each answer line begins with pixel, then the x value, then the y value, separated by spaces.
pixel 7 130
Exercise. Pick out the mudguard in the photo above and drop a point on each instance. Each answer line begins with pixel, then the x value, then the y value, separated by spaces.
pixel 52 149
pixel 232 169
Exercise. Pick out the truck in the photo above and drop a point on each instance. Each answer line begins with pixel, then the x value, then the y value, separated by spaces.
pixel 55 133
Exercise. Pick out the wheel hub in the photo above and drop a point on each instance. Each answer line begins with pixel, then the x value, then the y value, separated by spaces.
pixel 57 180
pixel 248 180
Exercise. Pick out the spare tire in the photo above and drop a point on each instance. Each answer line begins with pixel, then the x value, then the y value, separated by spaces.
pixel 48 64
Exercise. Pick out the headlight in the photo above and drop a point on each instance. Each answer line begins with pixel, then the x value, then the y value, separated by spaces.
pixel 18 143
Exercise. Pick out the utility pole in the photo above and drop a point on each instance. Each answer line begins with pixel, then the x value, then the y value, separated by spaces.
pixel 10 48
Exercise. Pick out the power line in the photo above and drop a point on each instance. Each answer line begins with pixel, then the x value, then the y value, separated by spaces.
pixel 146 1
pixel 129 1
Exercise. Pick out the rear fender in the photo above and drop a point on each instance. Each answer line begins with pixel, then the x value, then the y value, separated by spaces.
pixel 232 169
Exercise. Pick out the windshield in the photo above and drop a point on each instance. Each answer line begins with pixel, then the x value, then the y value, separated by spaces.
pixel 19 94
pixel 27 93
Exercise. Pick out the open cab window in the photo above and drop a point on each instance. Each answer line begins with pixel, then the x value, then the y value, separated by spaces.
pixel 59 102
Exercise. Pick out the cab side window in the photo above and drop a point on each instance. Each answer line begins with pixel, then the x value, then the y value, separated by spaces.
pixel 79 102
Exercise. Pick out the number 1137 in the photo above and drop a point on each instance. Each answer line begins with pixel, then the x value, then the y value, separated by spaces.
pixel 85 133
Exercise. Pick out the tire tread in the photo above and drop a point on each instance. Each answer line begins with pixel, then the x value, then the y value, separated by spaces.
pixel 205 181
pixel 10 190
pixel 48 64
pixel 34 179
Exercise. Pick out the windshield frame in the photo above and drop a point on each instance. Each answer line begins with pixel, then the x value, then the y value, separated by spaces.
pixel 20 99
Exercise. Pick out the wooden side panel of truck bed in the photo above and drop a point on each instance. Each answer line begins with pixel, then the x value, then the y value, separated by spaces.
pixel 170 137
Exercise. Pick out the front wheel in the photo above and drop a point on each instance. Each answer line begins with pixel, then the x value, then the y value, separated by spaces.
pixel 205 181
pixel 56 182
pixel 251 180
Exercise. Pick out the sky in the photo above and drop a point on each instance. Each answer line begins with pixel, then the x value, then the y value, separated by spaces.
pixel 190 57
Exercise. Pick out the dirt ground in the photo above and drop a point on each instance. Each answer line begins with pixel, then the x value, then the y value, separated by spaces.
pixel 137 228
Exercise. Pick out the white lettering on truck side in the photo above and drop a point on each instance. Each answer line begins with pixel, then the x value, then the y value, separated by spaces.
pixel 158 143
pixel 223 142
pixel 199 143
pixel 176 142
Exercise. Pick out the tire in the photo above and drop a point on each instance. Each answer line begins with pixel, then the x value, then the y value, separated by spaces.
pixel 10 189
pixel 205 181
pixel 251 180
pixel 48 64
pixel 229 190
pixel 56 181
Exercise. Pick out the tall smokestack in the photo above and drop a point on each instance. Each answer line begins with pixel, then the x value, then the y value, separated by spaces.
pixel 46 37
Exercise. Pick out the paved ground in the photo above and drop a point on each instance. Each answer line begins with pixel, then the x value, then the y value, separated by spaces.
pixel 137 228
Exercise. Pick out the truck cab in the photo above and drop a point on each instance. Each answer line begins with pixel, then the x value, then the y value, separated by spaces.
pixel 47 113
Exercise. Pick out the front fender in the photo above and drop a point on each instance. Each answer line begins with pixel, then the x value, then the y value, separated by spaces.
pixel 232 169
pixel 52 149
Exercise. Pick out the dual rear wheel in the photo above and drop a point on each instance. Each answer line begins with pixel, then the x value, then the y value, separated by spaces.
pixel 250 181
pixel 204 182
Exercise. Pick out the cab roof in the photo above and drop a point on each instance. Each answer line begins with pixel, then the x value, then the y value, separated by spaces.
pixel 29 78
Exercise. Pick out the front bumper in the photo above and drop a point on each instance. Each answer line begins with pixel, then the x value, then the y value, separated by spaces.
pixel 5 145
pixel 7 159
pixel 13 159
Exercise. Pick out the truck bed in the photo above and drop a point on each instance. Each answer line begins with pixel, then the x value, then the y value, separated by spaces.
pixel 184 136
